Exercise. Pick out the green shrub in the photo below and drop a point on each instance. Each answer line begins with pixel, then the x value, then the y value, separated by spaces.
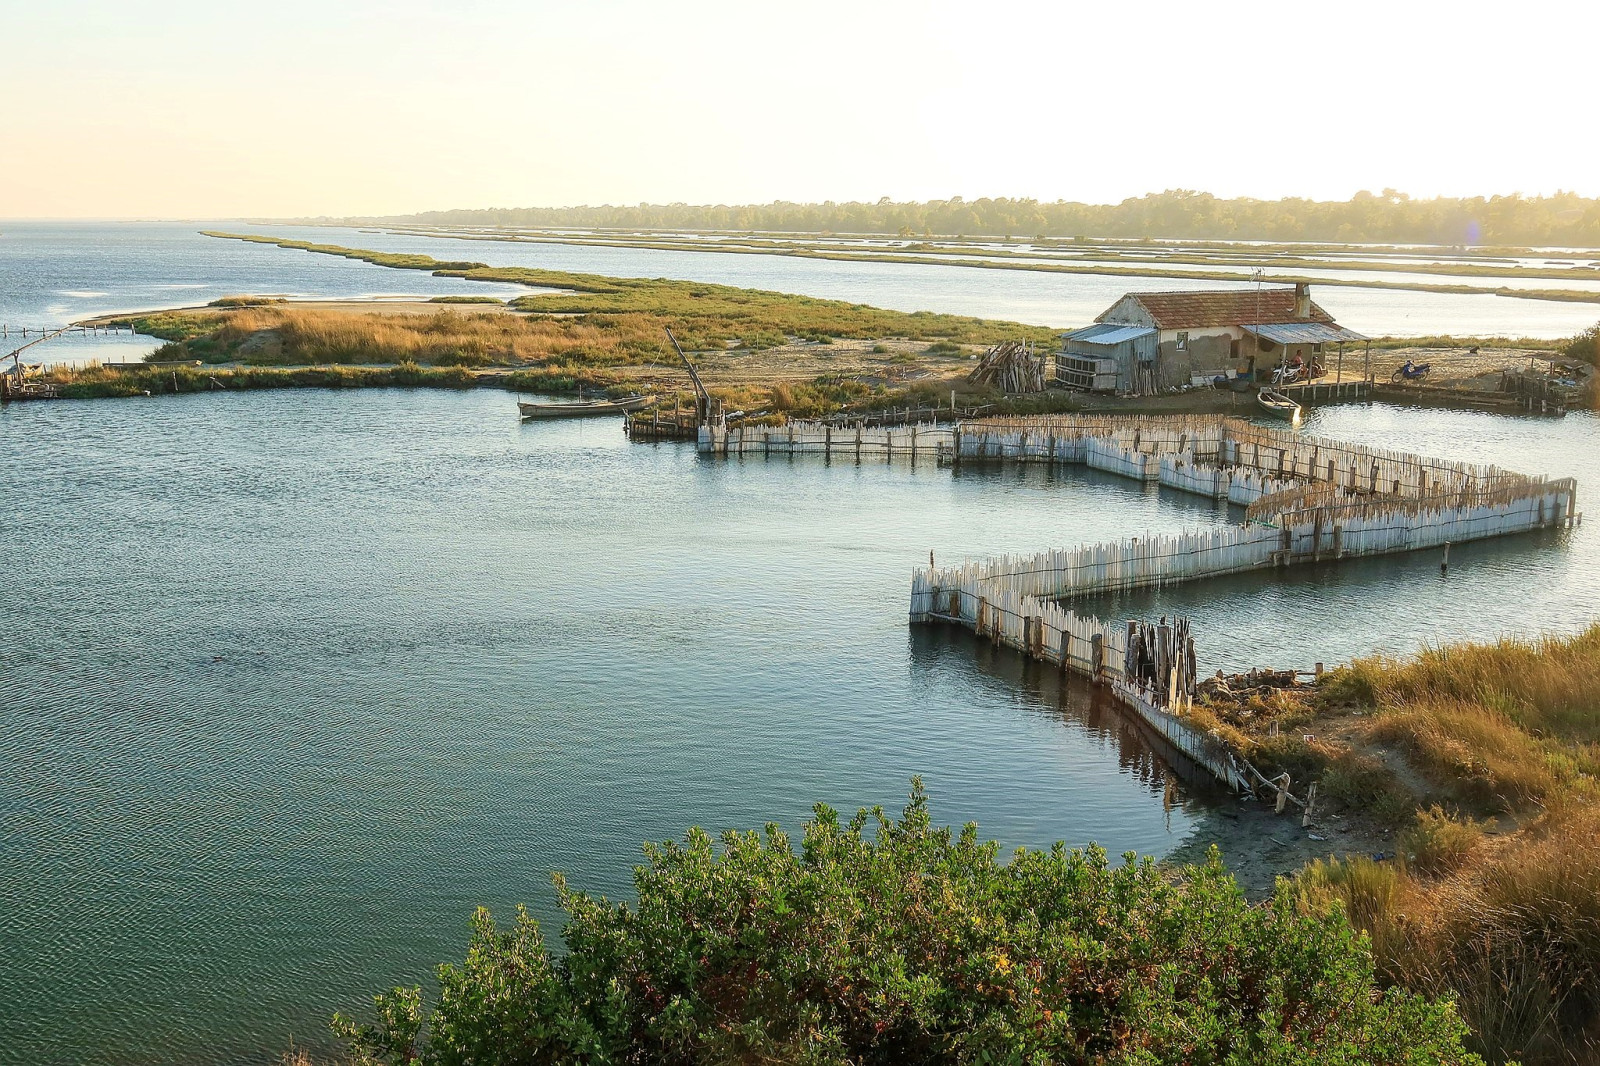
pixel 883 941
pixel 1438 843
pixel 944 348
pixel 760 339
pixel 1585 346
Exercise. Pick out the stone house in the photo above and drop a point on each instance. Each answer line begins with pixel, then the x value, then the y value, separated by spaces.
pixel 1149 342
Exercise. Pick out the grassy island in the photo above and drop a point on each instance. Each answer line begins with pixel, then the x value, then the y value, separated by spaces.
pixel 756 349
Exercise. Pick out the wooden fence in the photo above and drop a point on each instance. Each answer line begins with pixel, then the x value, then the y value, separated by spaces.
pixel 823 438
pixel 1308 499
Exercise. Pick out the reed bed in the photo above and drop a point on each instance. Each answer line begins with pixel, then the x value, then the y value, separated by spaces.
pixel 289 336
pixel 704 316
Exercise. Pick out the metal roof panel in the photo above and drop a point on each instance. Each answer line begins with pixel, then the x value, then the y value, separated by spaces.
pixel 1108 333
pixel 1303 332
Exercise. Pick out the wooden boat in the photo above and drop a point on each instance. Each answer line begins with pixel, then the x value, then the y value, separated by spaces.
pixel 1277 404
pixel 584 408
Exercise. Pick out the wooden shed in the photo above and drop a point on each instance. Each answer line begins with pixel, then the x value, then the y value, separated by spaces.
pixel 1107 357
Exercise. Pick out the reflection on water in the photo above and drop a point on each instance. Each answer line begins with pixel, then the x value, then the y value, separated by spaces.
pixel 1531 583
pixel 296 680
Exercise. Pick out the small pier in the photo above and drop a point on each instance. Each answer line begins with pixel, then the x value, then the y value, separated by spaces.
pixel 1325 391
pixel 1518 396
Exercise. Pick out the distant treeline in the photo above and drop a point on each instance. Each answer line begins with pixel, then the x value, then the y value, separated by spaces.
pixel 1390 217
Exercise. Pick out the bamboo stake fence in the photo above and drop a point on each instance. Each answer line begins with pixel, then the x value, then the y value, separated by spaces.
pixel 1308 499
pixel 825 438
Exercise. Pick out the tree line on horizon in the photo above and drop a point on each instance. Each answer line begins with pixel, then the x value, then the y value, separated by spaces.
pixel 1563 219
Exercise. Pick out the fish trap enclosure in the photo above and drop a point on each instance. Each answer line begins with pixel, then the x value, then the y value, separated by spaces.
pixel 1307 499
pixel 825 438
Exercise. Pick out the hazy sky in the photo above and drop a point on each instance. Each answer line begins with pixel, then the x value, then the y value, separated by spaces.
pixel 188 109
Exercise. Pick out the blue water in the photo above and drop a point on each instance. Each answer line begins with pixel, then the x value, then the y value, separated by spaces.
pixel 55 273
pixel 293 681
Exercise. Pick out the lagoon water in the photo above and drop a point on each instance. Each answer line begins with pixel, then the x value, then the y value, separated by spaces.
pixel 1067 300
pixel 293 681
pixel 55 273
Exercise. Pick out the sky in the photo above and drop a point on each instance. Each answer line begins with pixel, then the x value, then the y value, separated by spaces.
pixel 130 109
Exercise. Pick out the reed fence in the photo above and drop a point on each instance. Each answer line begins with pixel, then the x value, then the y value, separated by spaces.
pixel 826 438
pixel 1307 499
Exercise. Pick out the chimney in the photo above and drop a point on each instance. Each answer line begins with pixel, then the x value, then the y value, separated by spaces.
pixel 1302 300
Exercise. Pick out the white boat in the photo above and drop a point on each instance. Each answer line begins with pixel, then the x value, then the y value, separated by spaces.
pixel 1277 404
pixel 584 408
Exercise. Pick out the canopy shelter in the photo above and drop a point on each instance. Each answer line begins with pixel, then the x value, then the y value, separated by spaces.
pixel 1288 335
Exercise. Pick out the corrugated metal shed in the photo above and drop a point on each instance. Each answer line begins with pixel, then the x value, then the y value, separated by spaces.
pixel 1303 332
pixel 1107 333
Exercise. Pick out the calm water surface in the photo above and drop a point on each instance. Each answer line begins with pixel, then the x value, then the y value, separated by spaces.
pixel 294 682
pixel 53 273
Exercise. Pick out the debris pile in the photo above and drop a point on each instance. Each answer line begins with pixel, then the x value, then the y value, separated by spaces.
pixel 1266 695
pixel 1012 367
pixel 1238 688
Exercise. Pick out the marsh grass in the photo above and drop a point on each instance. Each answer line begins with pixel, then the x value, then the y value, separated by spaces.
pixel 246 301
pixel 1512 934
pixel 98 382
pixel 1510 925
pixel 703 315
pixel 448 338
pixel 1440 843
pixel 1506 725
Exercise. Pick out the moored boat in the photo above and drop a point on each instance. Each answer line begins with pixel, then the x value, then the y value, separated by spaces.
pixel 584 408
pixel 1277 404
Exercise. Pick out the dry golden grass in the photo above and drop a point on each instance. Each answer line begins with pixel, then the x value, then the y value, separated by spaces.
pixel 448 338
pixel 1508 924
pixel 1506 725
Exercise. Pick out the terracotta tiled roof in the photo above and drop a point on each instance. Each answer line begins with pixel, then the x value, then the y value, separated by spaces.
pixel 1225 307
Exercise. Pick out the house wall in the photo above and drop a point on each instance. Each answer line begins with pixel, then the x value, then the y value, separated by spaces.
pixel 1209 351
pixel 1130 354
pixel 1156 363
pixel 1128 311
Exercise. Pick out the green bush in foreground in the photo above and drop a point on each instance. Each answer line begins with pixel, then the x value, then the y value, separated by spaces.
pixel 882 941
